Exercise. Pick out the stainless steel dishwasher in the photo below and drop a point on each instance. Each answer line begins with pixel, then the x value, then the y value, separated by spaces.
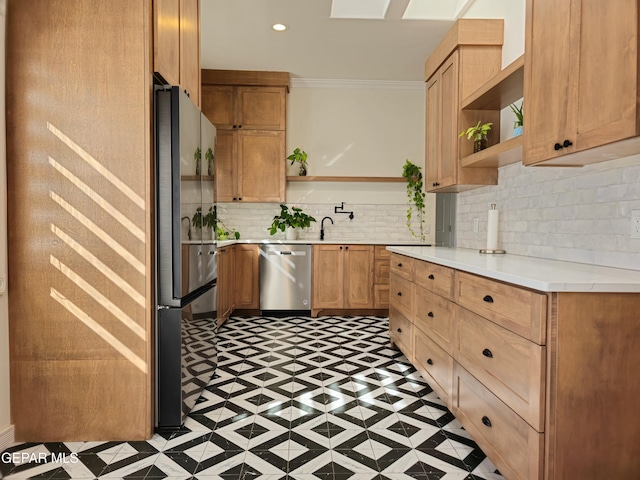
pixel 285 277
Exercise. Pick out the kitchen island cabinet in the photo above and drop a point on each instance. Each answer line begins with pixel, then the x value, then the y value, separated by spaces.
pixel 579 96
pixel 530 355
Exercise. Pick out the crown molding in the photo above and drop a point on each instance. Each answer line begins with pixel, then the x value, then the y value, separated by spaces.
pixel 360 84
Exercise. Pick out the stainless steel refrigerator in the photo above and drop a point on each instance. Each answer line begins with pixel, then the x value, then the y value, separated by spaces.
pixel 186 261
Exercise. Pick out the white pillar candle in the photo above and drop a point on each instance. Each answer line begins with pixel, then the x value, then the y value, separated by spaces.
pixel 492 228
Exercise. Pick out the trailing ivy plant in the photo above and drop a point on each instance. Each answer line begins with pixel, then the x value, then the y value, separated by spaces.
pixel 415 196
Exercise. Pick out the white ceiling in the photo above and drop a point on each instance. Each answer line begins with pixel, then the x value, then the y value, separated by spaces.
pixel 237 35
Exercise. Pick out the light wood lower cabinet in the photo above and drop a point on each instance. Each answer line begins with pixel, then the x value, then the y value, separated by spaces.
pixel 226 282
pixel 247 291
pixel 342 277
pixel 543 382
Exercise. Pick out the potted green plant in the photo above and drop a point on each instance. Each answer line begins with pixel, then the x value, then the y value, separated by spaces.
pixel 415 196
pixel 197 222
pixel 219 230
pixel 517 125
pixel 289 221
pixel 479 134
pixel 197 157
pixel 208 155
pixel 299 156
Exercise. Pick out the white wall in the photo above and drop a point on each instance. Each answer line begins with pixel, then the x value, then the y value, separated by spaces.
pixel 6 430
pixel 349 128
pixel 576 214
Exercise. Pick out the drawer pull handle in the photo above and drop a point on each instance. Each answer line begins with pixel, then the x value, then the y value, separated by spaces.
pixel 399 330
pixel 399 265
pixel 399 294
pixel 430 314
pixel 488 299
pixel 487 353
pixel 431 277
pixel 486 421
pixel 429 361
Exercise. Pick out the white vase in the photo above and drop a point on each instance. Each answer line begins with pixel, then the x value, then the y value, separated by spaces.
pixel 291 233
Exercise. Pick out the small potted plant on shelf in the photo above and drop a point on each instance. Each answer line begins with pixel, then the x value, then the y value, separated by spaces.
pixel 299 156
pixel 479 134
pixel 289 221
pixel 208 155
pixel 517 125
pixel 197 157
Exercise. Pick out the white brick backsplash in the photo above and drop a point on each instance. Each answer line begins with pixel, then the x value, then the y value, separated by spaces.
pixel 370 222
pixel 574 214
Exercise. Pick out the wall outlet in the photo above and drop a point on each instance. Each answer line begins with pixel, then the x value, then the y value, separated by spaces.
pixel 635 223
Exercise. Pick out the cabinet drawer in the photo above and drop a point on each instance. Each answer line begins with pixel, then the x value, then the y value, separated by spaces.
pixel 511 444
pixel 517 309
pixel 382 252
pixel 434 316
pixel 434 364
pixel 401 332
pixel 511 366
pixel 434 277
pixel 381 296
pixel 401 295
pixel 402 266
pixel 381 272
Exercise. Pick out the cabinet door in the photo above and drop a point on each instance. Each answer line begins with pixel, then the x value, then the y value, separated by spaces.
pixel 247 276
pixel 261 166
pixel 190 48
pixel 358 276
pixel 225 162
pixel 223 284
pixel 219 105
pixel 261 108
pixel 166 40
pixel 605 103
pixel 432 134
pixel 548 67
pixel 231 262
pixel 328 276
pixel 449 121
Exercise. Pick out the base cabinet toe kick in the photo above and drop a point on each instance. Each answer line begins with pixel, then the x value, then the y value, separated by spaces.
pixel 544 382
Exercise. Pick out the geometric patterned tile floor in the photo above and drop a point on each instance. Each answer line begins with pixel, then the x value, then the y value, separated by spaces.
pixel 293 398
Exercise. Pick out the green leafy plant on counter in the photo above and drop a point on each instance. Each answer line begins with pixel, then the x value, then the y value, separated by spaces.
pixel 299 156
pixel 294 218
pixel 416 197
pixel 198 220
pixel 222 231
pixel 477 132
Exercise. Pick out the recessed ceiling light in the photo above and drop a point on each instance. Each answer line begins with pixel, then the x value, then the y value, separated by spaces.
pixel 278 27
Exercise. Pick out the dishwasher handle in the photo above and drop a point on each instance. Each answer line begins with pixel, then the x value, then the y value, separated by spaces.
pixel 287 252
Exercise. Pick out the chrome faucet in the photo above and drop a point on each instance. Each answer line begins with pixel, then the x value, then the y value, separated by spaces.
pixel 322 226
pixel 189 230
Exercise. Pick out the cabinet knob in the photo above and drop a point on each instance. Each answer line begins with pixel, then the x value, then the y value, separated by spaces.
pixel 399 294
pixel 239 126
pixel 429 361
pixel 487 353
pixel 486 421
pixel 567 143
pixel 239 198
pixel 488 299
pixel 399 265
pixel 235 126
pixel 187 93
pixel 399 330
pixel 430 314
pixel 235 198
pixel 346 248
pixel 340 247
pixel 557 146
pixel 431 277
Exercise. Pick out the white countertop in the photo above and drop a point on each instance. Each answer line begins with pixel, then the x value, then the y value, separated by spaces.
pixel 536 273
pixel 282 241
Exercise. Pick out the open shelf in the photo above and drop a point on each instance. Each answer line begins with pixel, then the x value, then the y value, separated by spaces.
pixel 345 179
pixel 499 155
pixel 205 178
pixel 502 90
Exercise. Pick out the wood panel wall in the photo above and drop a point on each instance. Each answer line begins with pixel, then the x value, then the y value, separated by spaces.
pixel 79 165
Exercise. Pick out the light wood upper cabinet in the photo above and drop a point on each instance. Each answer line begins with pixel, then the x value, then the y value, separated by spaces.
pixel 251 123
pixel 468 56
pixel 176 52
pixel 579 95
